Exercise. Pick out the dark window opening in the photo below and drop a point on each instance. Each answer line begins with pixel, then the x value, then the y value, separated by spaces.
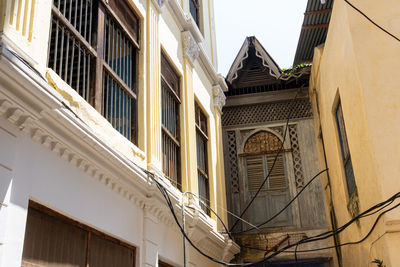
pixel 194 7
pixel 344 147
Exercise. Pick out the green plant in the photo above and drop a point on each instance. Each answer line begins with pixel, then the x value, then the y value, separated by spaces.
pixel 294 69
pixel 379 263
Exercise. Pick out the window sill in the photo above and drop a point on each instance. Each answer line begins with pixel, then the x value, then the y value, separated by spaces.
pixel 96 122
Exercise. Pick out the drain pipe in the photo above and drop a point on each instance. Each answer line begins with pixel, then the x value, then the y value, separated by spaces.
pixel 184 230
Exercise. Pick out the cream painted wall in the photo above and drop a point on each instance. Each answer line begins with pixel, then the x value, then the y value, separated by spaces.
pixel 359 64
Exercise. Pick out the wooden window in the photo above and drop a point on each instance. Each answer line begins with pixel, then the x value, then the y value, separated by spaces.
pixel 344 146
pixel 194 7
pixel 93 48
pixel 259 156
pixel 170 129
pixel 52 239
pixel 202 156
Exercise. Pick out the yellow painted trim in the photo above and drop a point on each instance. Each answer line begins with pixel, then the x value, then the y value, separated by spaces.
pixel 25 21
pixel 12 12
pixel 19 14
pixel 31 20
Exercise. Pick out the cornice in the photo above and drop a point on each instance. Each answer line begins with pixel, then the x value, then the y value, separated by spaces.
pixel 38 111
pixel 219 97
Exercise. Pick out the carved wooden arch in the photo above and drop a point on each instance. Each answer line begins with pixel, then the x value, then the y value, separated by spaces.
pixel 262 142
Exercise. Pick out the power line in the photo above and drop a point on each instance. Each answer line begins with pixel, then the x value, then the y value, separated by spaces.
pixel 286 206
pixel 373 22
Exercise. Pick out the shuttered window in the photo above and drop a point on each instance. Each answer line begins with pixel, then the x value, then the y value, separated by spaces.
pixel 93 47
pixel 52 239
pixel 170 99
pixel 344 146
pixel 257 169
pixel 202 158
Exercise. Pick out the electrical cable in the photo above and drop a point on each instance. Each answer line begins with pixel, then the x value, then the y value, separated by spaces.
pixel 287 205
pixel 373 22
pixel 275 159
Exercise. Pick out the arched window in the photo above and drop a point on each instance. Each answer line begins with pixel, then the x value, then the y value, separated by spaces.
pixel 260 151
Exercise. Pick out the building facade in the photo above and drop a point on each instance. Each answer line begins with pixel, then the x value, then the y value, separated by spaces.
pixel 260 141
pixel 94 95
pixel 354 94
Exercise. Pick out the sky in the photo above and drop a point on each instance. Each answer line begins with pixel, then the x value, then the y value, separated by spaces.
pixel 275 23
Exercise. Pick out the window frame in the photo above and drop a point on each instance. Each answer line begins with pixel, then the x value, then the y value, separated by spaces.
pixel 126 46
pixel 345 154
pixel 175 93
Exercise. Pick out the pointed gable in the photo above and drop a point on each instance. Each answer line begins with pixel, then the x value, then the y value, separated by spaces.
pixel 253 66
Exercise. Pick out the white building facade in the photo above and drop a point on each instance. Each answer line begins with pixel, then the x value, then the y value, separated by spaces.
pixel 85 114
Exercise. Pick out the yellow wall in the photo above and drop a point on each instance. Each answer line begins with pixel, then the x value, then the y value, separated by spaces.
pixel 360 63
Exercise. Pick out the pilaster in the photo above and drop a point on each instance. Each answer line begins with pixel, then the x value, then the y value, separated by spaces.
pixel 219 102
pixel 189 157
pixel 153 106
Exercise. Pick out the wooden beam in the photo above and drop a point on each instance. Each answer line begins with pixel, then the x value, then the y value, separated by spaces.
pixel 316 12
pixel 305 27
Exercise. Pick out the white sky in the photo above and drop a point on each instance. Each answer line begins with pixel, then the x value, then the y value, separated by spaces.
pixel 275 23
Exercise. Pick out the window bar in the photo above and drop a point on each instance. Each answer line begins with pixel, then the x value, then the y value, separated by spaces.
pixel 76 11
pixel 62 51
pixel 80 17
pixel 124 60
pixel 70 9
pixel 113 48
pixel 65 8
pixel 85 22
pixel 88 79
pixel 66 59
pixel 84 75
pixel 78 69
pixel 110 107
pixel 72 61
pixel 90 22
pixel 56 46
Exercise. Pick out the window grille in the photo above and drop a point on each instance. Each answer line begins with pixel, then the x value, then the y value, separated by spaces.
pixel 202 158
pixel 348 166
pixel 194 7
pixel 93 48
pixel 170 99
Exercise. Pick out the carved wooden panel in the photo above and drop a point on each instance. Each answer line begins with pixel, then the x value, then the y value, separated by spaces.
pixel 233 162
pixel 263 142
pixel 242 115
pixel 297 164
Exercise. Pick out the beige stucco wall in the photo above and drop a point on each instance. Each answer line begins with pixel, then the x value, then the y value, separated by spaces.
pixel 360 64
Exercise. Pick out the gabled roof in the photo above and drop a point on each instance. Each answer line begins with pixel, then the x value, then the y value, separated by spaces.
pixel 314 30
pixel 255 62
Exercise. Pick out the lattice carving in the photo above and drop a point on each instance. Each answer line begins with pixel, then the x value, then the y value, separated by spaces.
pixel 297 165
pixel 240 115
pixel 278 129
pixel 263 142
pixel 233 162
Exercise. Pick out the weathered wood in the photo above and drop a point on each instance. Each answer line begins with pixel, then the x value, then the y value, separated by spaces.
pixel 98 97
pixel 315 26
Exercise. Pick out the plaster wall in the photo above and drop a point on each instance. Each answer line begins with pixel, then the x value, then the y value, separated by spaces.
pixel 358 65
pixel 37 174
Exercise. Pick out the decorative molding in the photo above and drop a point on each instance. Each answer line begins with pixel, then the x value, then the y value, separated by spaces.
pixel 191 48
pixel 159 4
pixel 219 97
pixel 37 109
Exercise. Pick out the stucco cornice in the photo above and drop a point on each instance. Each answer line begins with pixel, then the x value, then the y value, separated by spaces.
pixel 37 110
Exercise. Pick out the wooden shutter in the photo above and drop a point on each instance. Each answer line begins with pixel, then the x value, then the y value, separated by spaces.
pixel 255 172
pixel 277 179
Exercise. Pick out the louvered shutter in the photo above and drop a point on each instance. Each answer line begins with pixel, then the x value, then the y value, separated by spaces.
pixel 255 172
pixel 277 179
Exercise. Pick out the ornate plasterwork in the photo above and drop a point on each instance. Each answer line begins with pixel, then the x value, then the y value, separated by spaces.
pixel 159 4
pixel 191 49
pixel 219 97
